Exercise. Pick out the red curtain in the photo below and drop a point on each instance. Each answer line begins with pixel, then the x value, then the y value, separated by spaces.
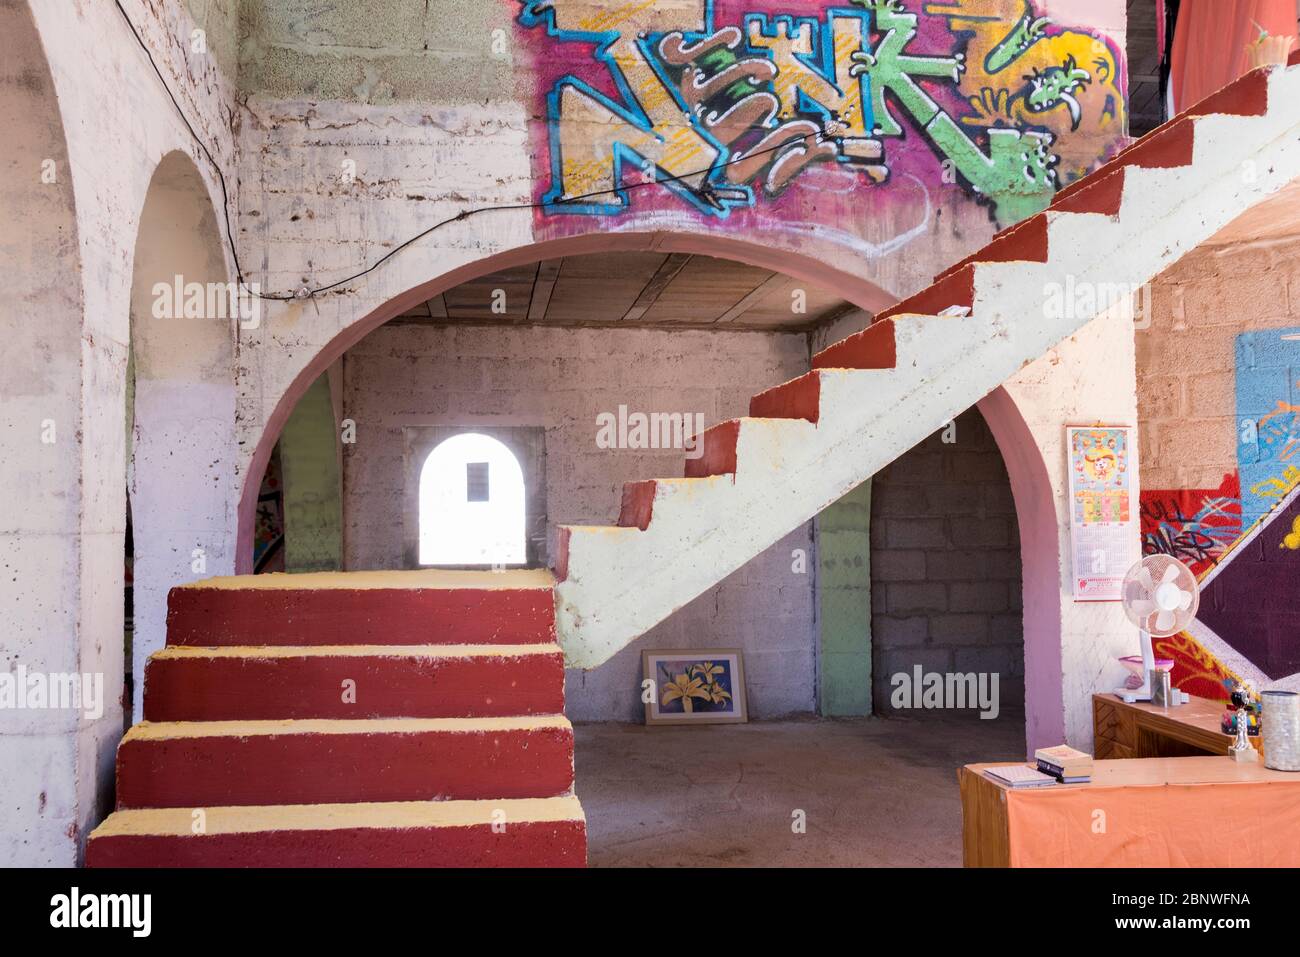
pixel 1210 41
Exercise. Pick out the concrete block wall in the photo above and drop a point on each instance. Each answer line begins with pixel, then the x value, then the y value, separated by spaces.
pixel 945 565
pixel 410 375
pixel 1185 358
pixel 1217 400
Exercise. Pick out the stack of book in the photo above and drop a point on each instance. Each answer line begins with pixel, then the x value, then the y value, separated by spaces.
pixel 1065 764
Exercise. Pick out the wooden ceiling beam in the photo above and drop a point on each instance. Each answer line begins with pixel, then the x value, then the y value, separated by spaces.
pixel 543 286
pixel 756 295
pixel 666 273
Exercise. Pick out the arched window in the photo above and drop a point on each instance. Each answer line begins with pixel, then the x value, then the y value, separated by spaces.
pixel 472 504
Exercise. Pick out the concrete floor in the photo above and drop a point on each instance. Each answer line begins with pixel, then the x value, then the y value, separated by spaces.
pixel 876 792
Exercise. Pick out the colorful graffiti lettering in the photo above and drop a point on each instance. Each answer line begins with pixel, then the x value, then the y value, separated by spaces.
pixel 1278 486
pixel 726 105
pixel 1193 525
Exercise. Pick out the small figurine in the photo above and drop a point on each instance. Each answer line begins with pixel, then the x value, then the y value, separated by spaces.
pixel 1242 703
pixel 1242 750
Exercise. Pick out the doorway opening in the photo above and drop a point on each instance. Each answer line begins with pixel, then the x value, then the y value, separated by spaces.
pixel 946 580
pixel 472 505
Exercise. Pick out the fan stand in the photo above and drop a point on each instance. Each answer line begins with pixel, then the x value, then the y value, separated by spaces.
pixel 1142 693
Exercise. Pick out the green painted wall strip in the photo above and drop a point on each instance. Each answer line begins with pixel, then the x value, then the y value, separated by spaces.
pixel 844 604
pixel 313 525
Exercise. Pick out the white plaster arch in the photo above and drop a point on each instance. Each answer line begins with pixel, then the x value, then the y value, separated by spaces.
pixel 1064 643
pixel 180 473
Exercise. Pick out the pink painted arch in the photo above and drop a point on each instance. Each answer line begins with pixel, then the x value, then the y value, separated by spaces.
pixel 1040 564
pixel 855 289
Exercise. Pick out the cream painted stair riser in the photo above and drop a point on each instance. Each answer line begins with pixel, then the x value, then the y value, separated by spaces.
pixel 623 581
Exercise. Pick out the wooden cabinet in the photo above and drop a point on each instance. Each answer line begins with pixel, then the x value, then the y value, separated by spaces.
pixel 1143 730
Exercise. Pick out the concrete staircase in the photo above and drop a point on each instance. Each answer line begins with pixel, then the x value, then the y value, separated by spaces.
pixel 374 719
pixel 873 396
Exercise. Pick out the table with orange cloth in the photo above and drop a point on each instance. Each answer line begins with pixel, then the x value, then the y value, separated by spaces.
pixel 1147 812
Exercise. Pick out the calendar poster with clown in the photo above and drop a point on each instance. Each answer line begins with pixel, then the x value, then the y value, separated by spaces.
pixel 1103 510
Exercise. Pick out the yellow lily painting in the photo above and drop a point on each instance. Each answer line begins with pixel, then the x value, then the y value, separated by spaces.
pixel 684 688
pixel 706 670
pixel 700 685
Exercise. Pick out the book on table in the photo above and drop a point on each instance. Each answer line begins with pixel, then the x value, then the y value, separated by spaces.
pixel 1064 778
pixel 1065 763
pixel 1020 776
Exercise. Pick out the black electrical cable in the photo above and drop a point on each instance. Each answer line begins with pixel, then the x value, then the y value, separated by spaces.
pixel 306 293
pixel 225 196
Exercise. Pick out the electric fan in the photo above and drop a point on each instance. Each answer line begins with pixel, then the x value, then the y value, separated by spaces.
pixel 1160 595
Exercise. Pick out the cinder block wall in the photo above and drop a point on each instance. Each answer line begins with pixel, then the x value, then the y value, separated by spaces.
pixel 1186 362
pixel 409 375
pixel 945 565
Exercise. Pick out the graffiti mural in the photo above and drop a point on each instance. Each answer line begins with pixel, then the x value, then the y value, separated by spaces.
pixel 726 105
pixel 1193 525
pixel 1250 601
pixel 1022 71
pixel 1242 539
pixel 1195 671
pixel 1268 418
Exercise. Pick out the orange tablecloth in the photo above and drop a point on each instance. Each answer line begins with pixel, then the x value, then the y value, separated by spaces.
pixel 1159 812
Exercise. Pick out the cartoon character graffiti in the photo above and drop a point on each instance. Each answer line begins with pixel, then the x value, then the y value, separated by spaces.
pixel 728 114
pixel 1022 72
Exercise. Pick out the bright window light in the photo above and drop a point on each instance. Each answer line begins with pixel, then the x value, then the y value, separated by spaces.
pixel 472 504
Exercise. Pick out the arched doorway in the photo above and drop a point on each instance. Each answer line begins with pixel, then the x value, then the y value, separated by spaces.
pixel 946 582
pixel 472 509
pixel 451 363
pixel 181 399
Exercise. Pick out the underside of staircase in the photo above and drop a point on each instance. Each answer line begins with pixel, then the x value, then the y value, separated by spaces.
pixel 871 397
pixel 374 719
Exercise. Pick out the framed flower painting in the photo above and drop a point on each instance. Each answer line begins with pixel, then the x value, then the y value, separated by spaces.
pixel 693 687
